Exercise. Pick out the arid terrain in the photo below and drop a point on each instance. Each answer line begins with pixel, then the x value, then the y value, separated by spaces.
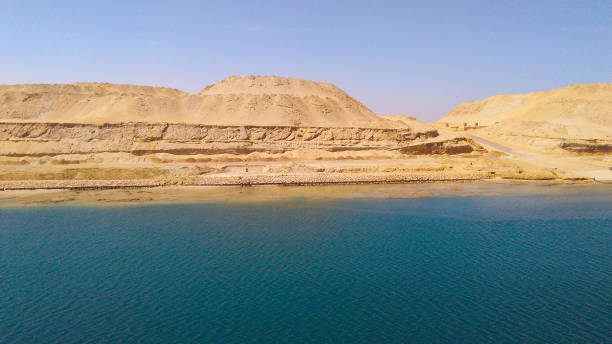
pixel 273 130
pixel 568 130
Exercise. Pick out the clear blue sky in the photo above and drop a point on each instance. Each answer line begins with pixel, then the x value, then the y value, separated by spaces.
pixel 416 58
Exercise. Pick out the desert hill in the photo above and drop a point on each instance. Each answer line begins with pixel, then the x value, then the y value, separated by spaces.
pixel 407 121
pixel 273 130
pixel 240 131
pixel 237 100
pixel 574 112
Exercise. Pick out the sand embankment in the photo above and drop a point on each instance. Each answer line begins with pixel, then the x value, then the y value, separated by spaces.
pixel 567 130
pixel 576 118
pixel 103 136
pixel 240 131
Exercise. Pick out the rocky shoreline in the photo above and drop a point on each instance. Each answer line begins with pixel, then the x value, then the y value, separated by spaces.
pixel 295 180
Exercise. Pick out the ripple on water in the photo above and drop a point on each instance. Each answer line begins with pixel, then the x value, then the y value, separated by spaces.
pixel 528 268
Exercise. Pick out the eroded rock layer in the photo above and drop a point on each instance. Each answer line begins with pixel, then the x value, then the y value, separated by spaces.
pixel 37 139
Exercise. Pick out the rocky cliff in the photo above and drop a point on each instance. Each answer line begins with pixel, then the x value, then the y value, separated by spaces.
pixel 38 139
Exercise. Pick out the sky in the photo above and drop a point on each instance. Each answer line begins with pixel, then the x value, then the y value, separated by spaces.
pixel 418 58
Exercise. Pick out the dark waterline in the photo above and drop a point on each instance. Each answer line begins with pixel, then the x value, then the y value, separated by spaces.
pixel 517 269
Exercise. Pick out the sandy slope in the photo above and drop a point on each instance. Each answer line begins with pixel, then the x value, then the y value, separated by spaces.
pixel 408 121
pixel 573 112
pixel 567 130
pixel 237 100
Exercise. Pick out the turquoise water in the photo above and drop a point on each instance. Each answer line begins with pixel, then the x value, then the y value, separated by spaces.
pixel 467 269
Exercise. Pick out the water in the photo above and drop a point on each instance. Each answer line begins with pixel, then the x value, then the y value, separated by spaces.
pixel 517 269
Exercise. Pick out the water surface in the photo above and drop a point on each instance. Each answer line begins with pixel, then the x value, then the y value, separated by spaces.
pixel 520 268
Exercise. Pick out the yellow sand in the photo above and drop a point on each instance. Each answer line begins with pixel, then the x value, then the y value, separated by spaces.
pixel 573 112
pixel 237 100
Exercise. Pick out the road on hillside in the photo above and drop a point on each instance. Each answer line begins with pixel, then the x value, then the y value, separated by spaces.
pixel 574 165
pixel 496 145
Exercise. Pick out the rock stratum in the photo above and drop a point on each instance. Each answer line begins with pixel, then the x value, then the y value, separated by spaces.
pixel 242 130
pixel 40 139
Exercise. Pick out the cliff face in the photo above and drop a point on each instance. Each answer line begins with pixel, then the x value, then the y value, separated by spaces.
pixel 38 139
pixel 68 155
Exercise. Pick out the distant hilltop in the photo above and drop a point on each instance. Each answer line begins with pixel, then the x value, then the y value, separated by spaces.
pixel 578 111
pixel 273 85
pixel 236 100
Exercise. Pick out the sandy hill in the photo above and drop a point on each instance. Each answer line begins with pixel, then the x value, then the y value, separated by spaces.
pixel 271 100
pixel 408 121
pixel 237 100
pixel 578 111
pixel 89 103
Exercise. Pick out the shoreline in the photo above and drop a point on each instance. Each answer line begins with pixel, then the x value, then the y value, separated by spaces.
pixel 279 180
pixel 180 194
pixel 246 182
